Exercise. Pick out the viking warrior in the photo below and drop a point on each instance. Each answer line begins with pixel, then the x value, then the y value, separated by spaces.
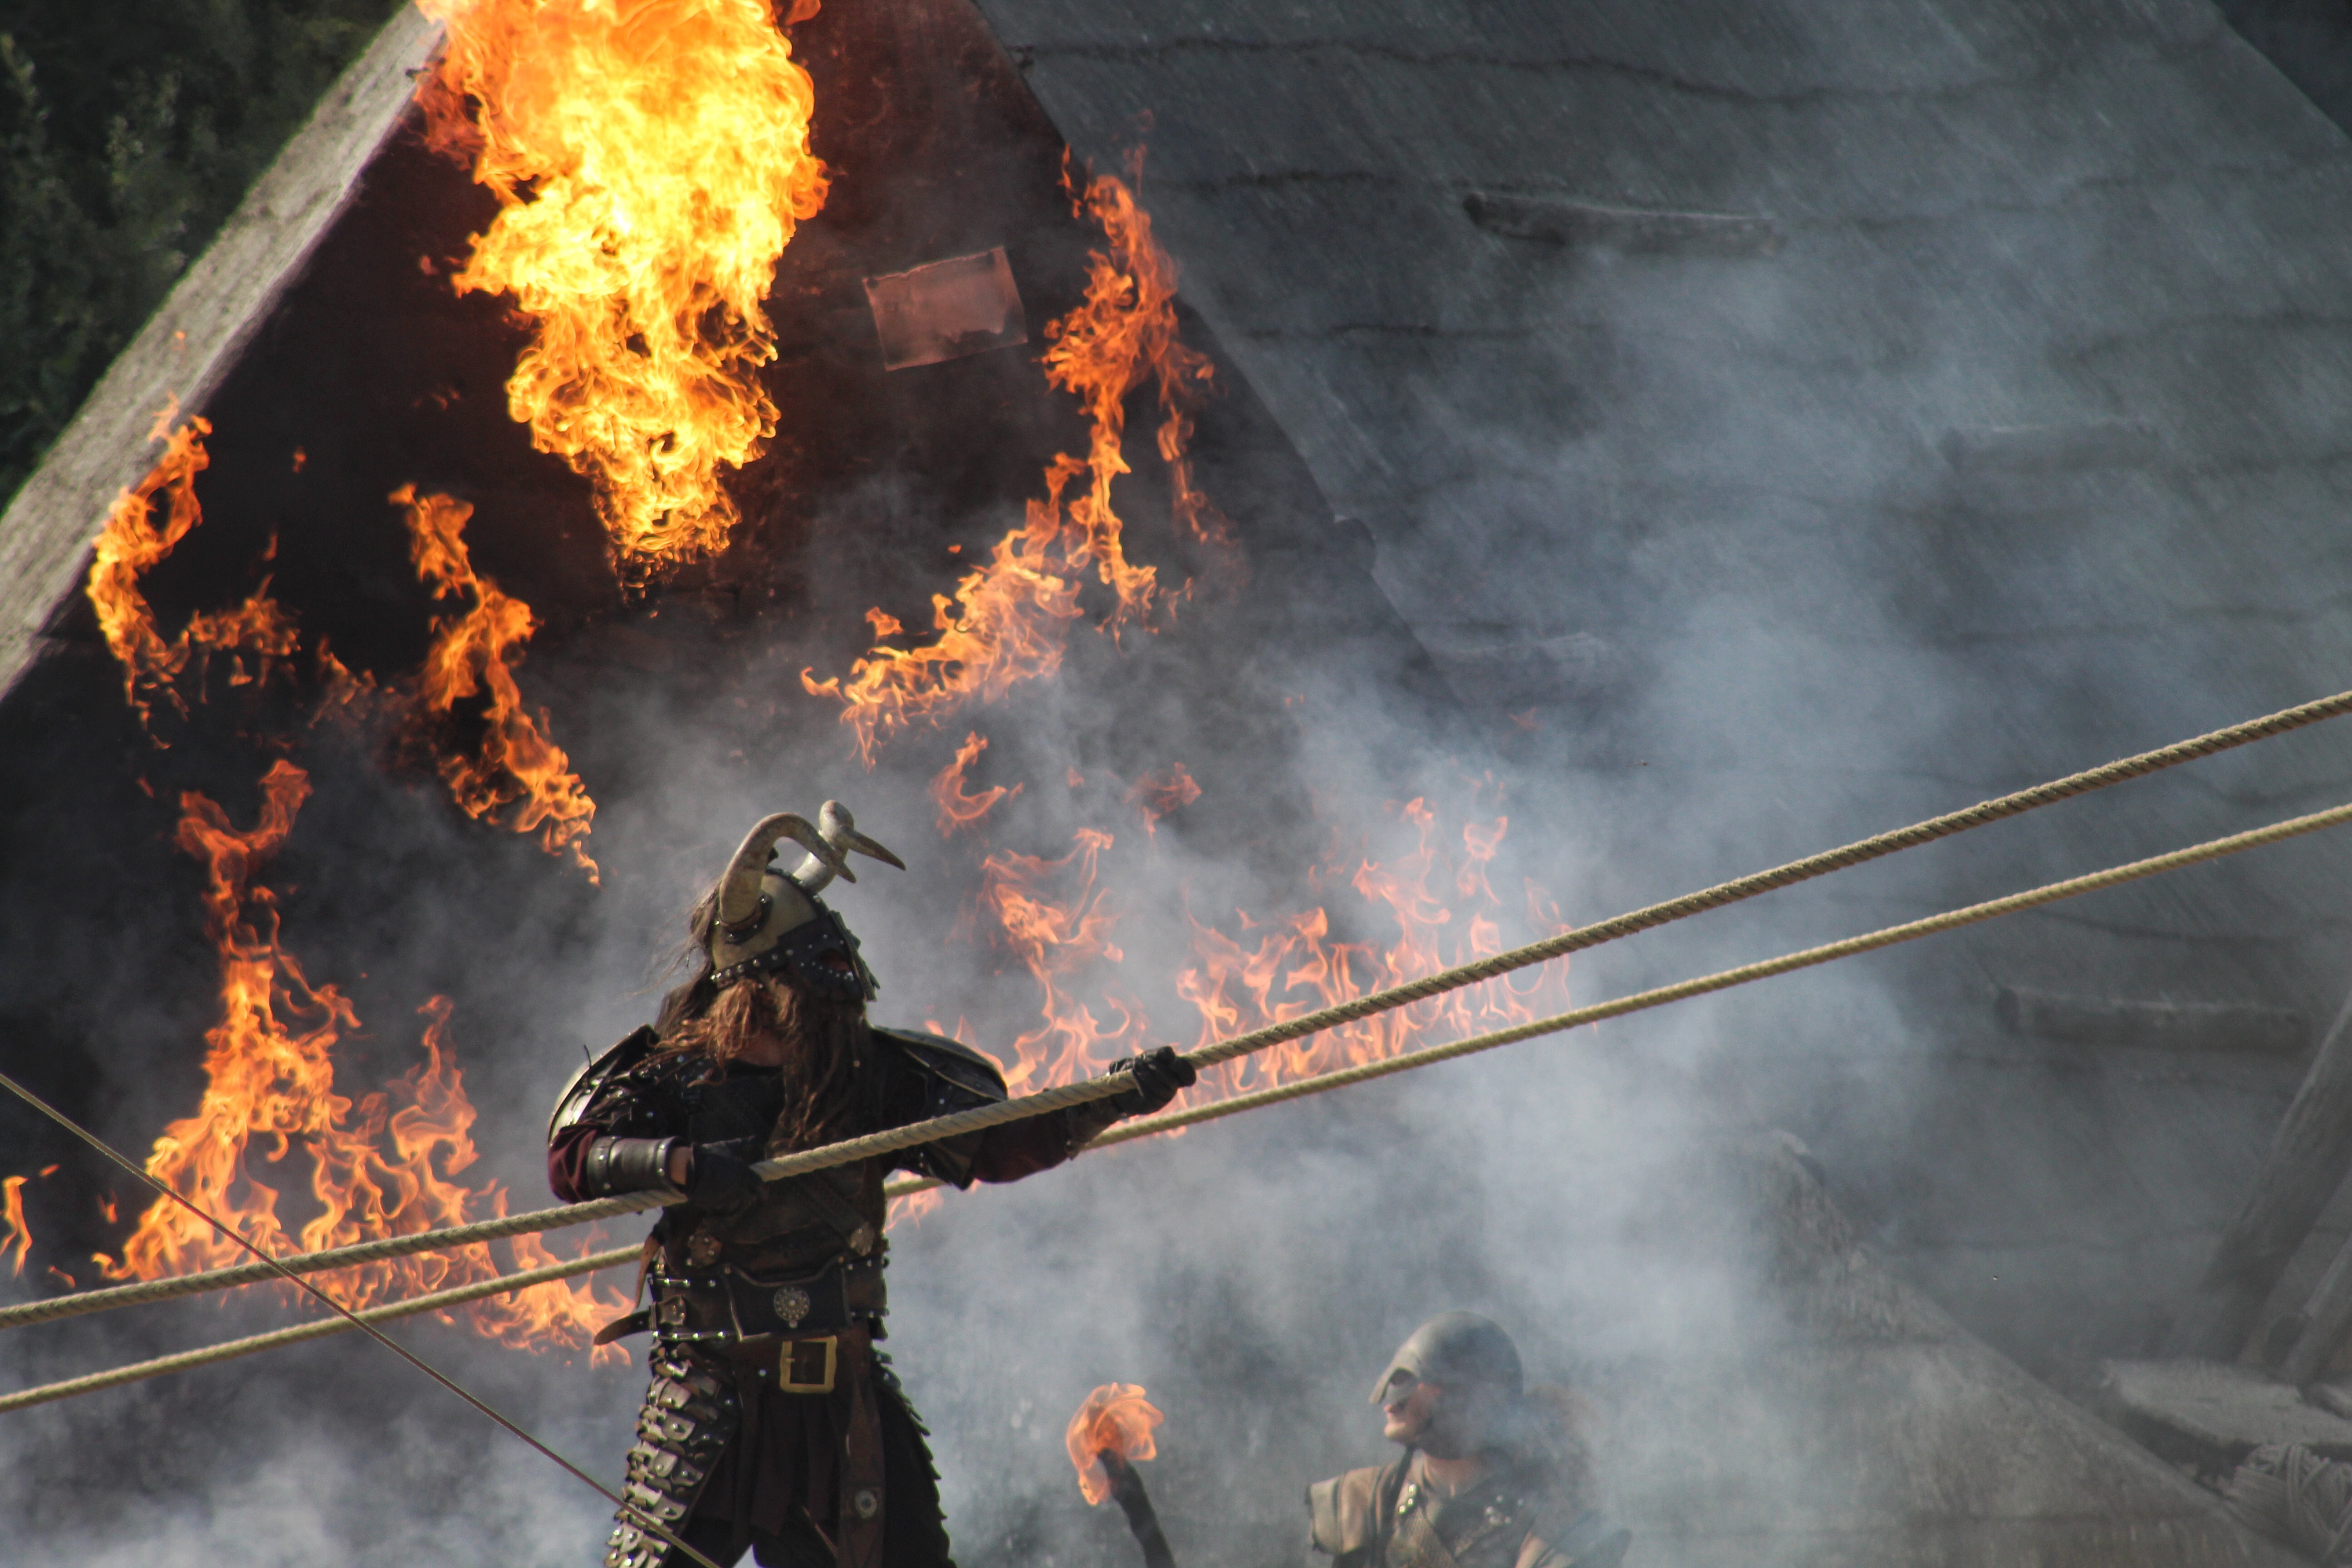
pixel 1493 1475
pixel 773 1422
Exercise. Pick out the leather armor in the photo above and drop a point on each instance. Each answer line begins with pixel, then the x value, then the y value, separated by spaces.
pixel 1385 1518
pixel 690 1411
pixel 786 1287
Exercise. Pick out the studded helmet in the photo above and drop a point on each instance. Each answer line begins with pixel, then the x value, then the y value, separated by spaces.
pixel 766 921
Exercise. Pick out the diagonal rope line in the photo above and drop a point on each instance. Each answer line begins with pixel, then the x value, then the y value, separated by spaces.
pixel 352 1319
pixel 1145 1126
pixel 1706 899
pixel 139 1372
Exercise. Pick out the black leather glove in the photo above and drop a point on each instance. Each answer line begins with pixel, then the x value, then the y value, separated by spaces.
pixel 1159 1074
pixel 720 1176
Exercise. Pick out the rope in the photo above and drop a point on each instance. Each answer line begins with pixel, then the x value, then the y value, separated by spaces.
pixel 186 1360
pixel 628 1509
pixel 1472 974
pixel 1340 1078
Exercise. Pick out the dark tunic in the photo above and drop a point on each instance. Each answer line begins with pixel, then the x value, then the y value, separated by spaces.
pixel 780 1471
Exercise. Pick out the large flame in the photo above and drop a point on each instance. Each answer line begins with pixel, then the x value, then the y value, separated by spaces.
pixel 651 161
pixel 472 656
pixel 133 541
pixel 382 1165
pixel 1006 621
pixel 1114 1418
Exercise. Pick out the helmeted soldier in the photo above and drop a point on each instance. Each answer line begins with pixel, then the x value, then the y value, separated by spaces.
pixel 771 1421
pixel 1491 1477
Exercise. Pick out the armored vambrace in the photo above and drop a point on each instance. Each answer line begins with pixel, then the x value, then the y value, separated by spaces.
pixel 628 1165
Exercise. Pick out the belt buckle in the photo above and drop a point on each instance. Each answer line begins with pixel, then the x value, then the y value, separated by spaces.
pixel 789 1365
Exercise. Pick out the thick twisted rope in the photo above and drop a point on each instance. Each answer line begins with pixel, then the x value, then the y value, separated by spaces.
pixel 353 1320
pixel 1470 973
pixel 1144 1127
pixel 139 1372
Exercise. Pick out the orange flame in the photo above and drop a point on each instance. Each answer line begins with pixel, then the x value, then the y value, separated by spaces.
pixel 379 1166
pixel 651 161
pixel 958 808
pixel 1115 1417
pixel 133 541
pixel 1057 917
pixel 16 1235
pixel 1297 968
pixel 1007 619
pixel 1156 794
pixel 1055 940
pixel 471 656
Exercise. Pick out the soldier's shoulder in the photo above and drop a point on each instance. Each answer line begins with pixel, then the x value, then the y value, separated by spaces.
pixel 1344 1512
pixel 590 1078
pixel 936 1057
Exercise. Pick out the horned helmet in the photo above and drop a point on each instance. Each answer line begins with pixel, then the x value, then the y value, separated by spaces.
pixel 766 921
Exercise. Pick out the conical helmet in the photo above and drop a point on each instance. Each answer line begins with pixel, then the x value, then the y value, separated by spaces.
pixel 764 920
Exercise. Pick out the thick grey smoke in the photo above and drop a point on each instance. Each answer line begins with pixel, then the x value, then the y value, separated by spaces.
pixel 1745 542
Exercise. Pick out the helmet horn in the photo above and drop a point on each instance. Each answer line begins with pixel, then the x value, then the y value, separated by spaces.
pixel 738 891
pixel 840 835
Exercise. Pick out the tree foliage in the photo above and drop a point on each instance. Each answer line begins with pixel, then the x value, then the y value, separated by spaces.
pixel 128 131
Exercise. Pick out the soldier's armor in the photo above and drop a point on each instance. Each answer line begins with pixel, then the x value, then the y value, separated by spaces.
pixel 796 1273
pixel 1385 1517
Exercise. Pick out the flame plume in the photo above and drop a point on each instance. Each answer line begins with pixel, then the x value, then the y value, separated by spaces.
pixel 378 1166
pixel 958 807
pixel 1296 967
pixel 471 656
pixel 1156 794
pixel 133 541
pixel 1115 1417
pixel 1056 939
pixel 16 1235
pixel 651 161
pixel 1007 619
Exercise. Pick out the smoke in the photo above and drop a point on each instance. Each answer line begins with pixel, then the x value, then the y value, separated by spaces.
pixel 1727 532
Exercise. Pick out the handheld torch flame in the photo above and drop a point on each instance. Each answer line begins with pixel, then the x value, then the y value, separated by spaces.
pixel 1115 1419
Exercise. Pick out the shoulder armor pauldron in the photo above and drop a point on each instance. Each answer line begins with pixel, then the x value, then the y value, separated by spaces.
pixel 588 1082
pixel 958 1076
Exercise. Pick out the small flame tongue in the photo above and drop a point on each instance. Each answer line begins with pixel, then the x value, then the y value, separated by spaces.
pixel 1114 1417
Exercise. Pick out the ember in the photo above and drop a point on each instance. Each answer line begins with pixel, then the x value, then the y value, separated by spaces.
pixel 1114 1419
pixel 651 161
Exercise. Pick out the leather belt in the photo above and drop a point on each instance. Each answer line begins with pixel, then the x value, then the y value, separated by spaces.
pixel 811 1365
pixel 732 1304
